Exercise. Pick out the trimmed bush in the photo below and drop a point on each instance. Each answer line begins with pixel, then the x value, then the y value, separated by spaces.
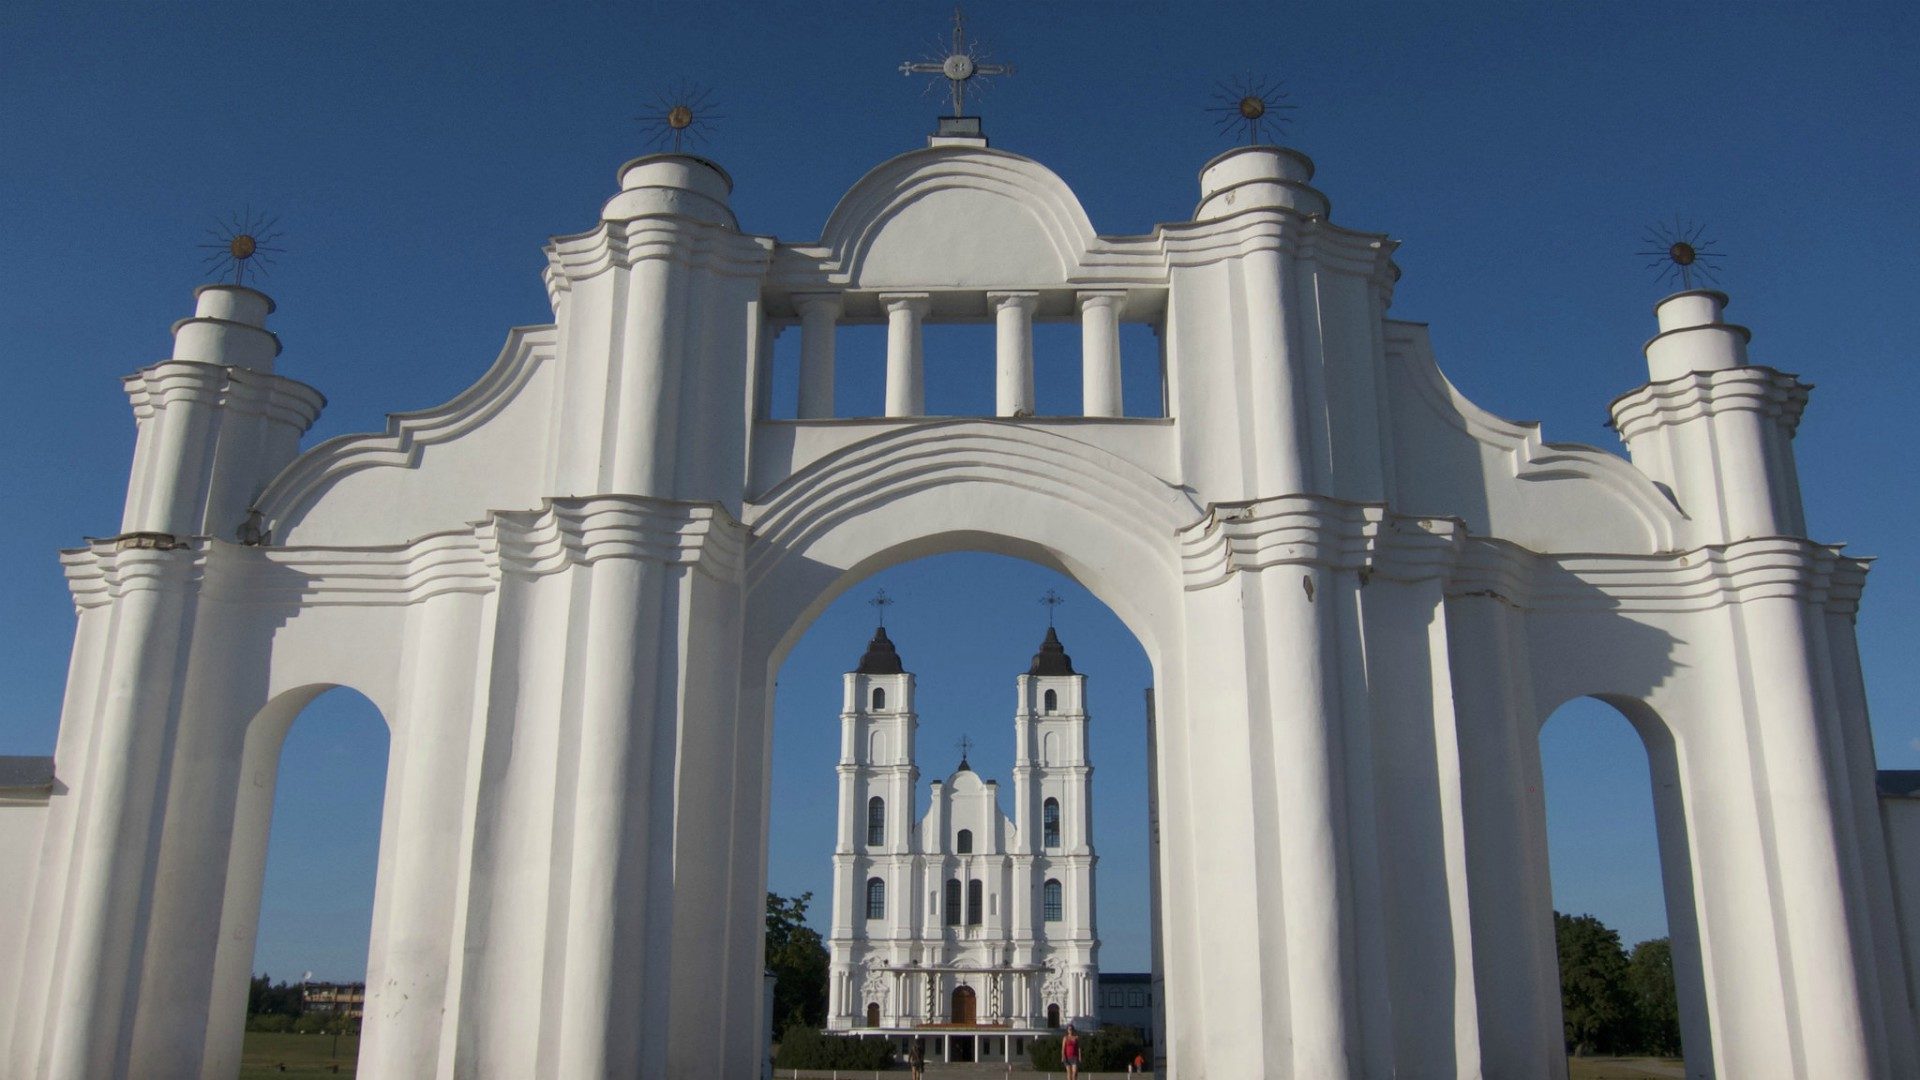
pixel 804 1047
pixel 1044 1052
pixel 1109 1049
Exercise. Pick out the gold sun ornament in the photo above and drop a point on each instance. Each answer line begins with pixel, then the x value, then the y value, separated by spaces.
pixel 243 244
pixel 1247 103
pixel 681 118
pixel 1680 251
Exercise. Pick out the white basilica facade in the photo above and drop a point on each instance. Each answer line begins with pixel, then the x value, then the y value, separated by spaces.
pixel 965 922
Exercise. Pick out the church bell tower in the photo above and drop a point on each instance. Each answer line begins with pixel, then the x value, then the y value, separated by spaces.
pixel 873 857
pixel 1053 808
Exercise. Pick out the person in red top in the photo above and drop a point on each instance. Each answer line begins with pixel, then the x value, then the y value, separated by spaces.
pixel 1070 1053
pixel 1138 1066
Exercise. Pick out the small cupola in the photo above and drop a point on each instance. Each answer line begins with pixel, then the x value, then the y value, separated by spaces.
pixel 1052 659
pixel 881 658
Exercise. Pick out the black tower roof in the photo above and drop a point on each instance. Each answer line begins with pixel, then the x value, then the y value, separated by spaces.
pixel 1052 659
pixel 881 657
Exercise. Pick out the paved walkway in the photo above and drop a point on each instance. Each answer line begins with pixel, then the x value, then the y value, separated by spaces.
pixel 986 1071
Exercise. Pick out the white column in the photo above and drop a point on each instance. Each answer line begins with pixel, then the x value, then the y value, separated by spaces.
pixel 1100 353
pixel 1013 353
pixel 906 388
pixel 1285 466
pixel 1787 714
pixel 408 966
pixel 819 317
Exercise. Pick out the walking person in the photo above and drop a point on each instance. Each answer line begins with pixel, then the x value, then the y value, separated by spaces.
pixel 1138 1066
pixel 1070 1053
pixel 917 1059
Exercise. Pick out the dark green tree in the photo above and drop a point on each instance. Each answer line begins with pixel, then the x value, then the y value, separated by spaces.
pixel 798 959
pixel 268 998
pixel 1595 1001
pixel 1657 1003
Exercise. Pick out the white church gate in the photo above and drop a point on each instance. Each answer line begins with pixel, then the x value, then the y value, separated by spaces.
pixel 568 591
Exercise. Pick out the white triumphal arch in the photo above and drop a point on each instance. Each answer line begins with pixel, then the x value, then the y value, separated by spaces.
pixel 568 588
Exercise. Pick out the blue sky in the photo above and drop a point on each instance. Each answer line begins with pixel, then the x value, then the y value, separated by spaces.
pixel 418 156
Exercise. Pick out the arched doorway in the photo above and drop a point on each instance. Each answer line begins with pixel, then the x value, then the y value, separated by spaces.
pixel 873 1014
pixel 1623 918
pixel 1053 1016
pixel 963 1006
pixel 309 877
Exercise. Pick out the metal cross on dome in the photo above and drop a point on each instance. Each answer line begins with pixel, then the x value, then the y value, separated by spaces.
pixel 966 746
pixel 961 65
pixel 880 602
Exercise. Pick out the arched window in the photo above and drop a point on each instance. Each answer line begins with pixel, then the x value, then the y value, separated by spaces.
pixel 876 898
pixel 1050 901
pixel 873 1014
pixel 879 697
pixel 973 902
pixel 876 821
pixel 1053 1016
pixel 952 914
pixel 877 748
pixel 1050 823
pixel 963 844
pixel 1052 701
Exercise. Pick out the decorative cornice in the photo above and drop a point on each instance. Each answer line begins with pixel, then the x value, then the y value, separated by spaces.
pixel 1309 530
pixel 1278 228
pixel 115 566
pixel 1697 580
pixel 1775 394
pixel 560 534
pixel 308 476
pixel 578 532
pixel 1303 530
pixel 238 390
pixel 697 244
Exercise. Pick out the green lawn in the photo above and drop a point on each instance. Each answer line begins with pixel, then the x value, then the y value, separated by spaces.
pixel 263 1054
pixel 1621 1068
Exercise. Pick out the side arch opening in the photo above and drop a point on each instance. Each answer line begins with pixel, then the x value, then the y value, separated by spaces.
pixel 304 875
pixel 1625 923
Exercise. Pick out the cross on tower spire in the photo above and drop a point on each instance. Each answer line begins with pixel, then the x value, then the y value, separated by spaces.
pixel 1052 600
pixel 961 65
pixel 880 602
pixel 965 745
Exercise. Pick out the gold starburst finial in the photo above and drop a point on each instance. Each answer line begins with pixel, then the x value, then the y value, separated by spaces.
pixel 1679 250
pixel 1248 103
pixel 241 245
pixel 683 117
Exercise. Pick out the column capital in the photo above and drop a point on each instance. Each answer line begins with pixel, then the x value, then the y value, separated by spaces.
pixel 815 303
pixel 1093 298
pixel 1026 301
pixel 918 303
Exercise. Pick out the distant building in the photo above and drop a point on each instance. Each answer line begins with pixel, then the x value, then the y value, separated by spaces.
pixel 1125 999
pixel 967 928
pixel 348 998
